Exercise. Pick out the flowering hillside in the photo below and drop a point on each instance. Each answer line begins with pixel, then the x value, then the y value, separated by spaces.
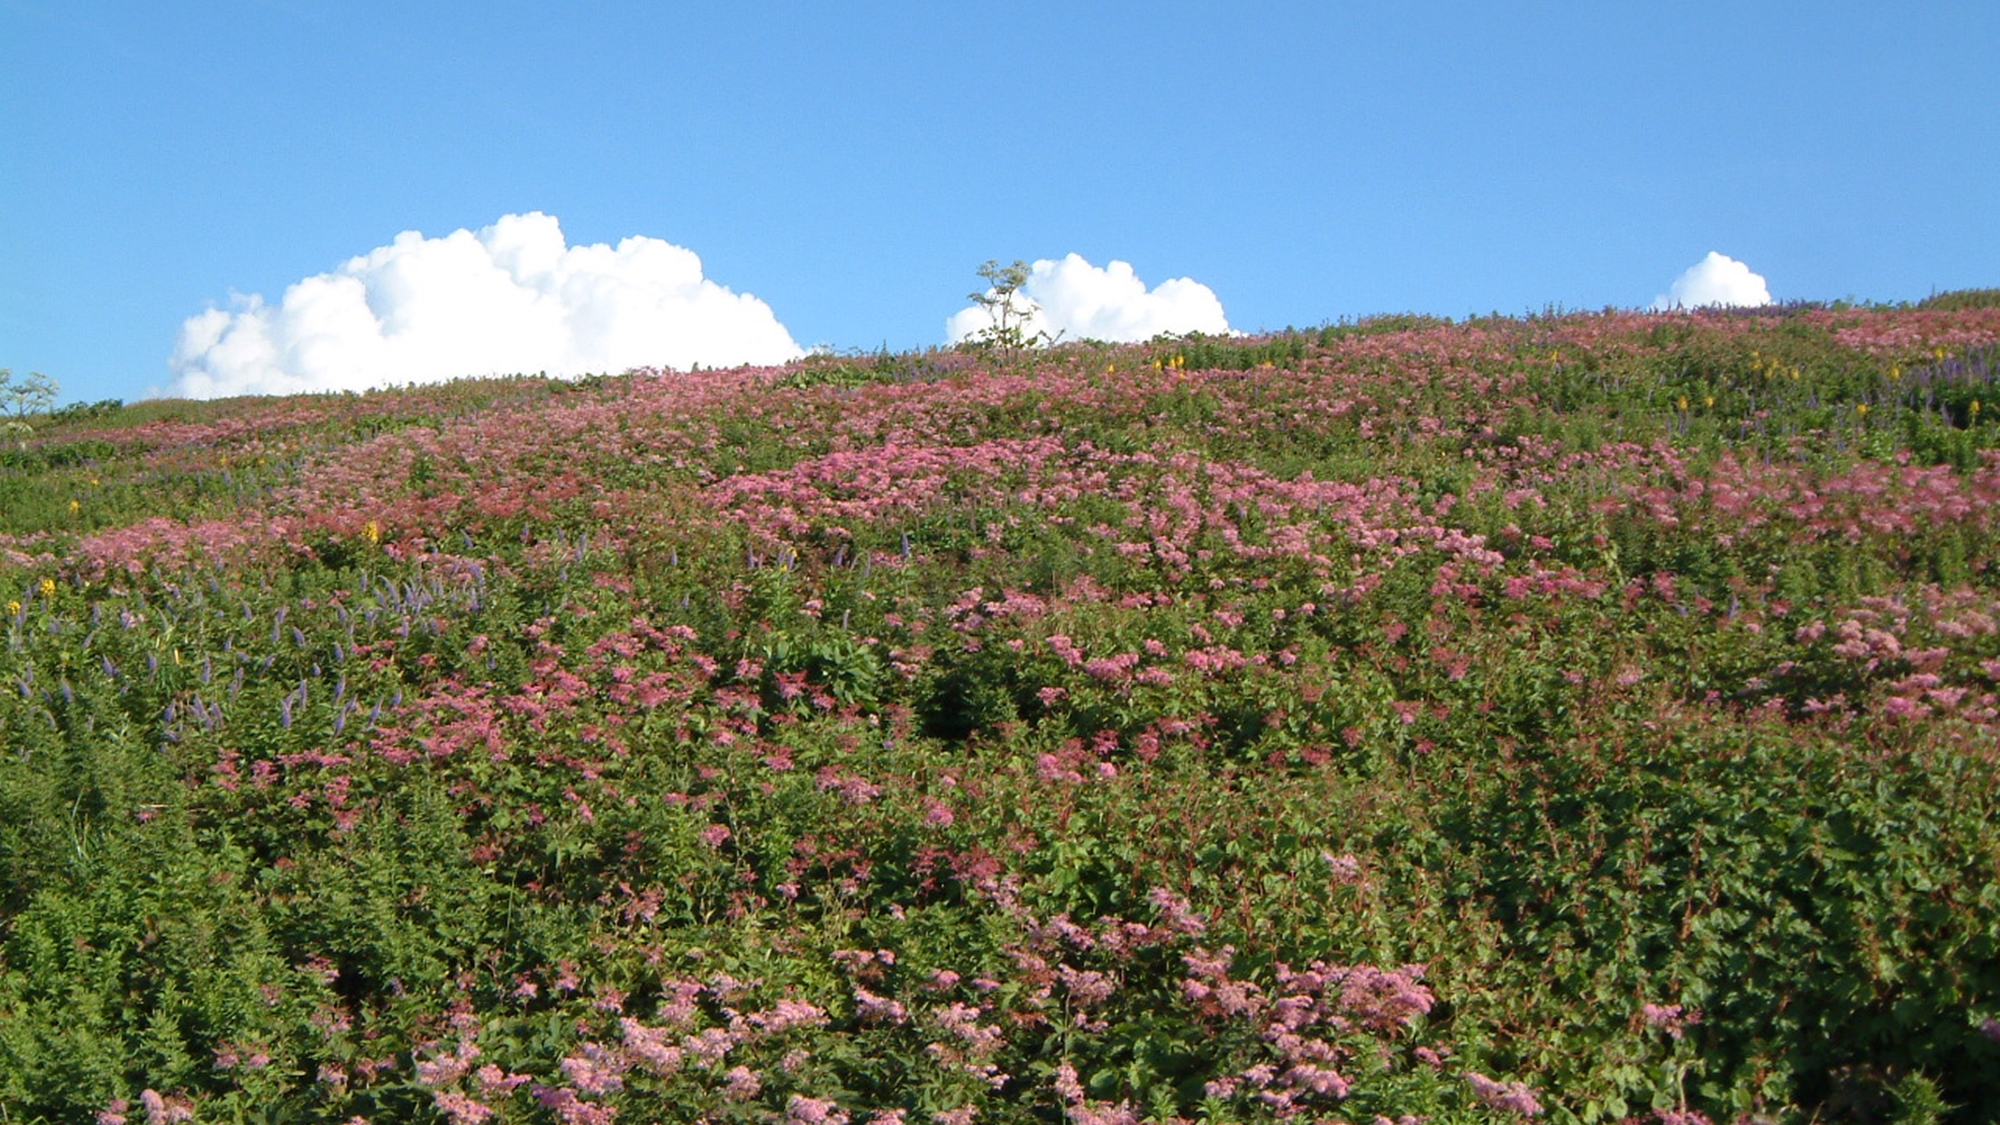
pixel 1585 718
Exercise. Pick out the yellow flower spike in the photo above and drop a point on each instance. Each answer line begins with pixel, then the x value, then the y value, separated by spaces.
pixel 1683 402
pixel 13 608
pixel 1975 407
pixel 74 507
pixel 1862 409
pixel 48 587
pixel 373 531
pixel 1895 372
pixel 1708 400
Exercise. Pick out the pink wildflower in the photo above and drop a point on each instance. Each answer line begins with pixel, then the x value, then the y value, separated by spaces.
pixel 1385 999
pixel 461 1109
pixel 161 1110
pixel 787 1014
pixel 741 1084
pixel 802 1110
pixel 710 1045
pixel 572 1110
pixel 1176 912
pixel 875 1007
pixel 1086 986
pixel 1514 1097
pixel 1343 869
pixel 1321 1080
pixel 593 1072
pixel 650 1046
pixel 1670 1018
pixel 497 1083
pixel 445 1069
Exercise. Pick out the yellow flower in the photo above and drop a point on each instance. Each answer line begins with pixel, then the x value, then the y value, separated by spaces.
pixel 373 531
pixel 1861 409
pixel 74 507
pixel 48 587
pixel 13 608
pixel 1684 402
pixel 1708 400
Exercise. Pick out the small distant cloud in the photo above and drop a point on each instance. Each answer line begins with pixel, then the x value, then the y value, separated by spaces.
pixel 1075 300
pixel 1715 280
pixel 512 297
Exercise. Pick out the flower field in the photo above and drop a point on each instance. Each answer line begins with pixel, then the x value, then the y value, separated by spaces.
pixel 1583 718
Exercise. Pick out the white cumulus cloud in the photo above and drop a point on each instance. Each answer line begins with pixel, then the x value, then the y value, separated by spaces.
pixel 1715 280
pixel 1075 300
pixel 512 297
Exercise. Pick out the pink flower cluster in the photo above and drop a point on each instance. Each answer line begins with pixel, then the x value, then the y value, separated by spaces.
pixel 1511 1097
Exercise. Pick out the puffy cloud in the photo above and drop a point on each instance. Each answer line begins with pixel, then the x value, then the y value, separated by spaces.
pixel 512 297
pixel 1075 300
pixel 1715 280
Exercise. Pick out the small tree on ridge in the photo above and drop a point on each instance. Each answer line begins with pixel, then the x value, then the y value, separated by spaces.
pixel 1008 334
pixel 35 394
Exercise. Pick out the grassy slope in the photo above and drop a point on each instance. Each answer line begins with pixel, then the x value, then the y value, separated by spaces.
pixel 1632 675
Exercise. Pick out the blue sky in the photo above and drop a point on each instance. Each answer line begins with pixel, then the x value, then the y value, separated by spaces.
pixel 852 164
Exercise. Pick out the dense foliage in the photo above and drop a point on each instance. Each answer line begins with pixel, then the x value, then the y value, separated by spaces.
pixel 1590 717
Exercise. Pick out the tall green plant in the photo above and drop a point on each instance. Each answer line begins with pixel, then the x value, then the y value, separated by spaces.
pixel 1010 309
pixel 35 394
